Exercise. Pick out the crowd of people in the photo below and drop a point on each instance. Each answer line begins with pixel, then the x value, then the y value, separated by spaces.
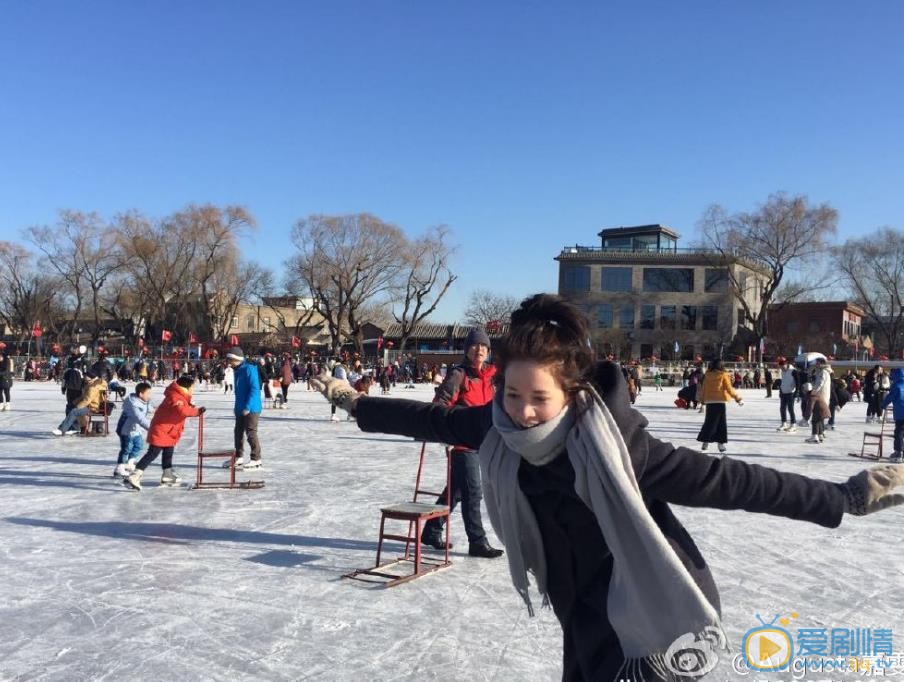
pixel 578 492
pixel 576 489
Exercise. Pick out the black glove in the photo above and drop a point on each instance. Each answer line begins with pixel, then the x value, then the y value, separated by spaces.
pixel 202 410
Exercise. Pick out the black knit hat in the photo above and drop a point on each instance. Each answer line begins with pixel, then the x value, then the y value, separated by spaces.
pixel 476 336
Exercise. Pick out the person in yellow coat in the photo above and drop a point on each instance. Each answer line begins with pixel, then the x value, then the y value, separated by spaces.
pixel 715 392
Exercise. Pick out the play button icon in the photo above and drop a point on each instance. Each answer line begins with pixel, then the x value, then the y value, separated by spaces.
pixel 768 648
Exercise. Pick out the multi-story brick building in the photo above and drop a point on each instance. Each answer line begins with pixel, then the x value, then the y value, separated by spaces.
pixel 825 326
pixel 646 297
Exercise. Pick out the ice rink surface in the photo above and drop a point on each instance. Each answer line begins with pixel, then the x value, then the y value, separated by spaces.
pixel 100 583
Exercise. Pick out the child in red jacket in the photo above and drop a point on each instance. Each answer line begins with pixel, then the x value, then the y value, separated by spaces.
pixel 166 430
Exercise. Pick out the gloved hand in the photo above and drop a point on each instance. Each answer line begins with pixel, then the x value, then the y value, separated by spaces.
pixel 868 491
pixel 202 410
pixel 338 391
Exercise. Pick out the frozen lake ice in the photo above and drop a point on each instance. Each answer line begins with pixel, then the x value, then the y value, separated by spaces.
pixel 100 583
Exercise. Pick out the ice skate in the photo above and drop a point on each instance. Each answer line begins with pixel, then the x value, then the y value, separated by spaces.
pixel 121 471
pixel 239 462
pixel 792 428
pixel 812 439
pixel 253 465
pixel 722 448
pixel 5 407
pixel 133 480
pixel 57 432
pixel 169 478
pixel 130 465
pixel 783 427
pixel 704 447
pixel 334 417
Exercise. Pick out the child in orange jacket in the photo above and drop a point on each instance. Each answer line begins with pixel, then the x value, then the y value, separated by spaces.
pixel 166 430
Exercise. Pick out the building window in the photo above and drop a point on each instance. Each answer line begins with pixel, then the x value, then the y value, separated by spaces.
pixel 648 317
pixel 266 323
pixel 646 242
pixel 576 278
pixel 742 319
pixel 646 350
pixel 668 279
pixel 249 322
pixel 626 317
pixel 667 316
pixel 710 317
pixel 688 317
pixel 716 280
pixel 742 283
pixel 687 352
pixel 604 315
pixel 235 322
pixel 616 279
pixel 618 243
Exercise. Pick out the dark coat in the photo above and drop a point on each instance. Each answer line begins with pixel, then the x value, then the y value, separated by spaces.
pixel 578 561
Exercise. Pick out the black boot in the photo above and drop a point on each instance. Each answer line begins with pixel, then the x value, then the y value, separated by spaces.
pixel 483 550
pixel 434 539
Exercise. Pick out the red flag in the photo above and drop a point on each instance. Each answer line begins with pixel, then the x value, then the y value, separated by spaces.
pixel 296 342
pixel 166 335
pixel 192 338
pixel 379 342
pixel 233 340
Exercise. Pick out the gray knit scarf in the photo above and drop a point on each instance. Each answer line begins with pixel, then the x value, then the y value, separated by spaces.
pixel 652 599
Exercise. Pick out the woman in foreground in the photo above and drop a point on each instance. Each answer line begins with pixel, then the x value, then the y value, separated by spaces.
pixel 578 493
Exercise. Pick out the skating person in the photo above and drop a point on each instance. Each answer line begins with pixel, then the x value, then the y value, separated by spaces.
pixel 883 386
pixel 90 401
pixel 338 371
pixel 715 391
pixel 166 430
pixel 578 492
pixel 787 392
pixel 767 377
pixel 657 381
pixel 7 374
pixel 285 378
pixel 820 396
pixel 247 408
pixel 71 384
pixel 470 383
pixel 133 423
pixel 228 379
pixel 895 398
pixel 870 394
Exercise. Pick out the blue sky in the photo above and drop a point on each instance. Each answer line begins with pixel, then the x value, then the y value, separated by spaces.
pixel 524 126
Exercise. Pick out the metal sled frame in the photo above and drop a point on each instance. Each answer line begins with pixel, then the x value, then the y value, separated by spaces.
pixel 416 514
pixel 200 484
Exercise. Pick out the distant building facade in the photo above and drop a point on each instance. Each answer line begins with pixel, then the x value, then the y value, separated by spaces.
pixel 645 297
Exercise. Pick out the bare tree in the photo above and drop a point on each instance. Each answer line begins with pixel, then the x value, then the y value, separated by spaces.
pixel 779 235
pixel 485 306
pixel 158 257
pixel 65 247
pixel 346 262
pixel 872 267
pixel 232 284
pixel 427 279
pixel 215 231
pixel 27 297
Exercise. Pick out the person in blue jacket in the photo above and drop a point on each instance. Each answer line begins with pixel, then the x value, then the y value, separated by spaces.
pixel 134 419
pixel 895 397
pixel 247 407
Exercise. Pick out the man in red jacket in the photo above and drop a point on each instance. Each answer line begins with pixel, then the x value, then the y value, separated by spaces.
pixel 166 430
pixel 470 383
